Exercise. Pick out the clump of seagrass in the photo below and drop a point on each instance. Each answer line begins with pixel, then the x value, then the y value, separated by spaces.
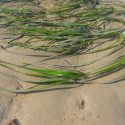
pixel 79 27
pixel 54 77
pixel 64 37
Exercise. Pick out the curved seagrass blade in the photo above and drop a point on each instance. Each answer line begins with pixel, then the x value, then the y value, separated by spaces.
pixel 119 79
pixel 114 66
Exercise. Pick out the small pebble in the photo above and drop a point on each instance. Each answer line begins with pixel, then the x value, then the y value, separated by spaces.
pixel 14 122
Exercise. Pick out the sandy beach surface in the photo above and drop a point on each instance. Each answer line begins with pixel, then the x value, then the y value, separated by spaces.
pixel 89 104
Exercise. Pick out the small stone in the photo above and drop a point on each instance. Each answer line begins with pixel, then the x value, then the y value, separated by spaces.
pixel 82 104
pixel 14 122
